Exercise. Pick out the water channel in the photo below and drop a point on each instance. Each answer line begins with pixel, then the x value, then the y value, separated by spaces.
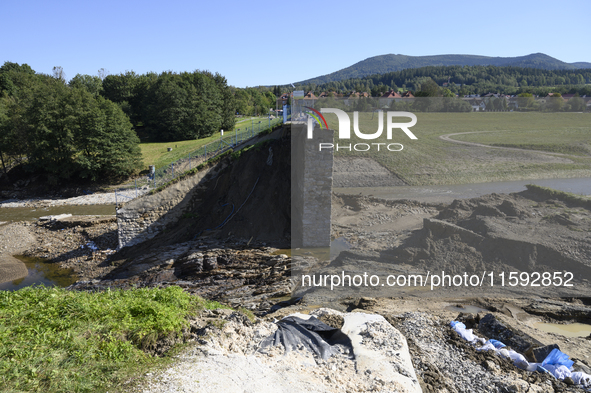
pixel 32 213
pixel 41 272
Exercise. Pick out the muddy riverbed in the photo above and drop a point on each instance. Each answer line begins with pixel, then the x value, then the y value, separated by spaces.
pixel 255 276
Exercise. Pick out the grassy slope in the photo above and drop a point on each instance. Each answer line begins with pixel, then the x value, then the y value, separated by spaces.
pixel 157 153
pixel 430 160
pixel 53 340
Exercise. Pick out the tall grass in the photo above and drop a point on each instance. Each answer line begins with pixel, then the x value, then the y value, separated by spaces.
pixel 54 340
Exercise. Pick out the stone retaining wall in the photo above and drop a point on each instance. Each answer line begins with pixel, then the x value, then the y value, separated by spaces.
pixel 143 218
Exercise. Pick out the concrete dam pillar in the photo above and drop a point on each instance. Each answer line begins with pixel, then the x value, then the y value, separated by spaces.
pixel 311 187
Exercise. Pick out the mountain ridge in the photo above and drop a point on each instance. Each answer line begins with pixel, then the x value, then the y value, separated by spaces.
pixel 395 62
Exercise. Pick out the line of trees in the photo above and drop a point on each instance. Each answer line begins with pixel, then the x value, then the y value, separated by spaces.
pixel 465 80
pixel 178 106
pixel 172 106
pixel 88 127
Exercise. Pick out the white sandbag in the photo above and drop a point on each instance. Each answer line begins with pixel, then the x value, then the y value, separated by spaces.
pixel 581 378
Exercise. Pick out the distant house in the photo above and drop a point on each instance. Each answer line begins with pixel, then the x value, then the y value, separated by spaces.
pixel 513 103
pixel 387 98
pixel 325 94
pixel 477 105
pixel 391 94
pixel 407 94
pixel 309 99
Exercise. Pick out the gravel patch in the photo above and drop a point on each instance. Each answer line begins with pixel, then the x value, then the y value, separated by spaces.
pixel 108 198
pixel 447 364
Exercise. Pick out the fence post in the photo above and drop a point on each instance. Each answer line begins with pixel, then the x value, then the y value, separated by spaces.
pixel 116 204
pixel 136 188
pixel 172 170
pixel 236 138
pixel 205 151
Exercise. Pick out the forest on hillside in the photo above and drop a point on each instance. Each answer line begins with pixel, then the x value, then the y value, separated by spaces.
pixel 465 80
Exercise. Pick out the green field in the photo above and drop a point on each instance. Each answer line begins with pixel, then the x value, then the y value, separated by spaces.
pixel 158 154
pixel 430 160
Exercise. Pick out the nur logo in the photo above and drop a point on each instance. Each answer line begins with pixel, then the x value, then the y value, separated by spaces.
pixel 345 127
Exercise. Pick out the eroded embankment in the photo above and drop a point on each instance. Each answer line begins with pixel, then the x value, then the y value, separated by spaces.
pixel 245 195
pixel 529 243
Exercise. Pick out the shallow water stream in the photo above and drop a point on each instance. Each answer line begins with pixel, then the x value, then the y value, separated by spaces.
pixel 41 272
pixel 31 213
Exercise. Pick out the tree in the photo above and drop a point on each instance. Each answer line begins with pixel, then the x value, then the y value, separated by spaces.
pixel 59 74
pixel 181 107
pixel 428 89
pixel 227 108
pixel 92 84
pixel 102 74
pixel 575 104
pixel 72 134
pixel 6 85
pixel 24 68
pixel 107 143
pixel 13 131
pixel 525 100
pixel 455 105
pixel 554 103
pixel 447 93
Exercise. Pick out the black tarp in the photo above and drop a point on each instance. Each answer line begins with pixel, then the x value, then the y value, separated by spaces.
pixel 311 334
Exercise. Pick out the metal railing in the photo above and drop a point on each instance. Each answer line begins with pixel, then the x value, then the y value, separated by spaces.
pixel 229 140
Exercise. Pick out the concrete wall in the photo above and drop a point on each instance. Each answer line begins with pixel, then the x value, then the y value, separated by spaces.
pixel 311 187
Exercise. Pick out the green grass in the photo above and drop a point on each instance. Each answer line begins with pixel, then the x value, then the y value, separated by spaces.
pixel 431 161
pixel 158 154
pixel 54 340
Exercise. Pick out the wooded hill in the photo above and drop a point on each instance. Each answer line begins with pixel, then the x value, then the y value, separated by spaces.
pixel 391 62
pixel 464 80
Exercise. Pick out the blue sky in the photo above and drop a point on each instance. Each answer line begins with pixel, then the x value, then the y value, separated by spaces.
pixel 267 43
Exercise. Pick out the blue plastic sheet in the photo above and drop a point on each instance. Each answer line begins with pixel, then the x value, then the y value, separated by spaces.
pixel 497 344
pixel 558 358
